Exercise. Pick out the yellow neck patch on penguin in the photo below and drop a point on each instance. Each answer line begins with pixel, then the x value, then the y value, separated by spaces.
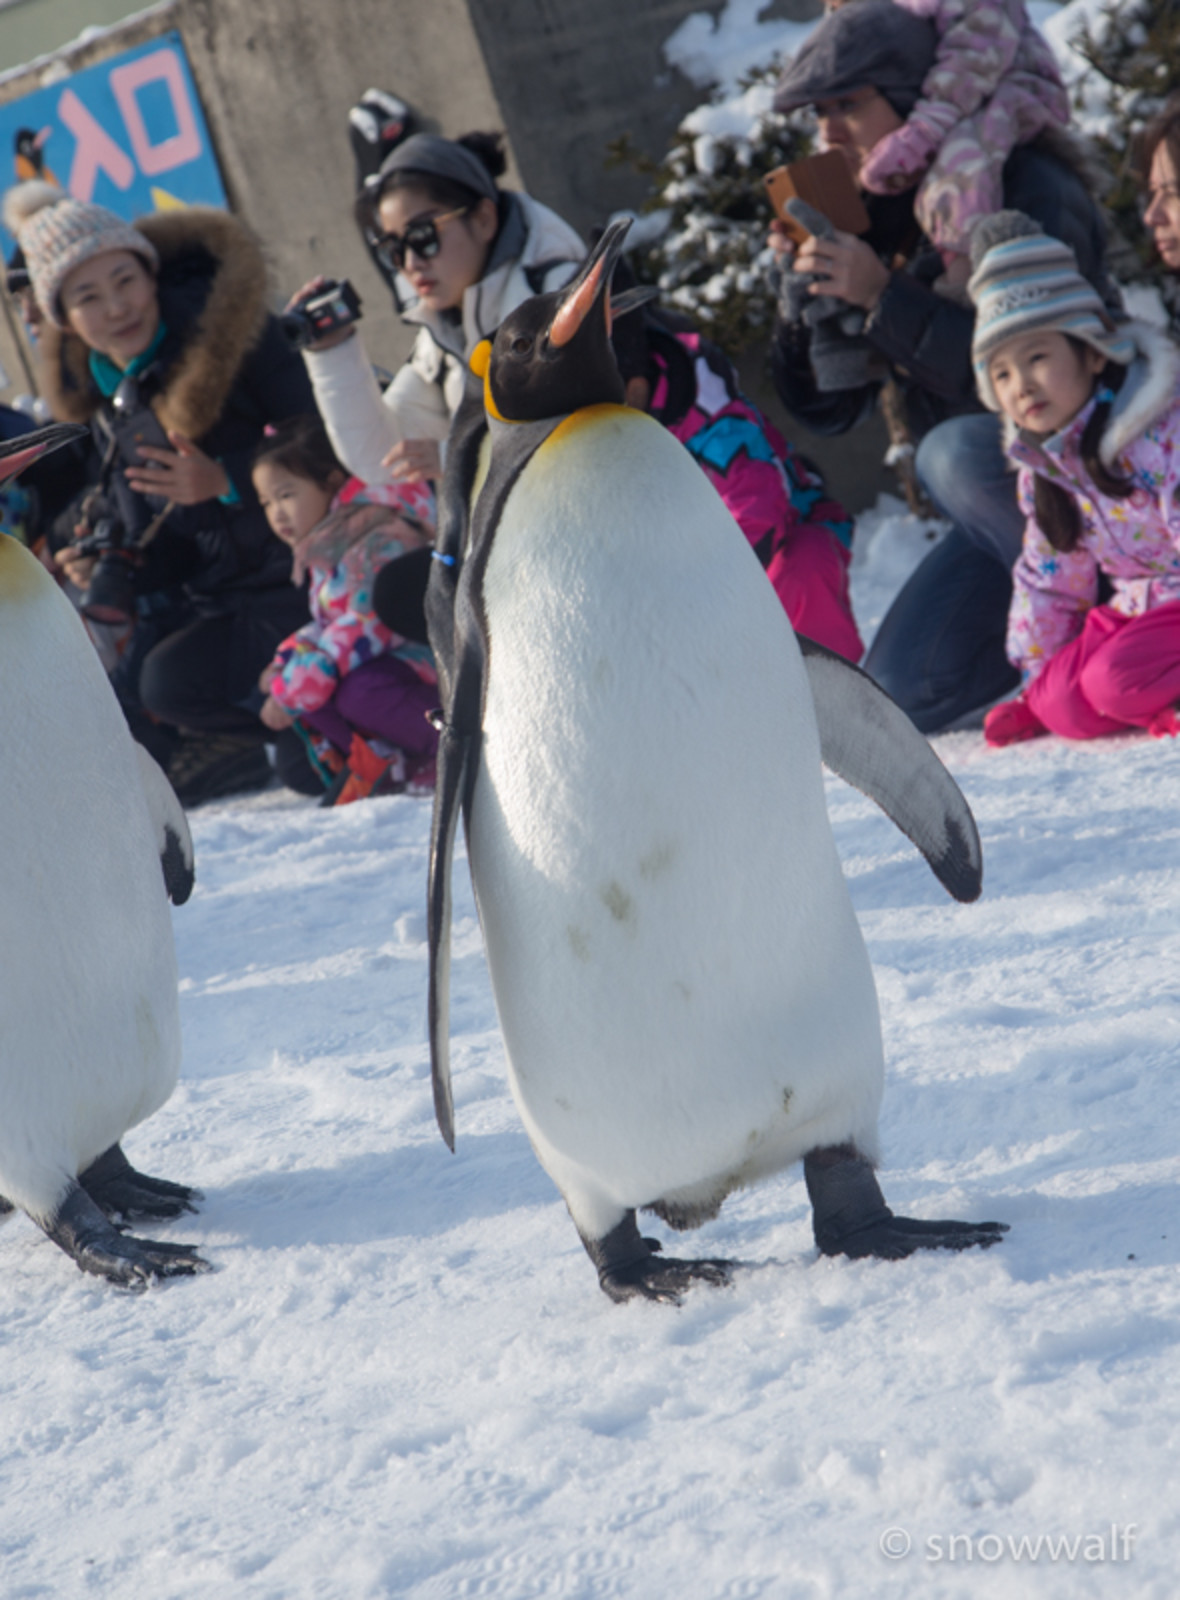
pixel 480 363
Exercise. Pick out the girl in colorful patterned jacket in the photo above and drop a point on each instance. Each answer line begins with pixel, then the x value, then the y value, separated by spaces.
pixel 1092 421
pixel 357 691
pixel 802 536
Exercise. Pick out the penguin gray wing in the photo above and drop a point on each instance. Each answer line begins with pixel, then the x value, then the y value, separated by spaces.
pixel 171 825
pixel 867 739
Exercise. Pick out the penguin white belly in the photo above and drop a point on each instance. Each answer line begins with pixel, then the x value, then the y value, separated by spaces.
pixel 684 992
pixel 89 1018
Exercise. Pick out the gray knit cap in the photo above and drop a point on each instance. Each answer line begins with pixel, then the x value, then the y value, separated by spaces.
pixel 57 233
pixel 1025 281
pixel 872 44
pixel 437 158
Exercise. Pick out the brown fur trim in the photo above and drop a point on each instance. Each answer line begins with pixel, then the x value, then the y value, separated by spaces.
pixel 199 381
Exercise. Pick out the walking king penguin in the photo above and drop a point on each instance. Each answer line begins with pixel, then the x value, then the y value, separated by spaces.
pixel 95 842
pixel 630 731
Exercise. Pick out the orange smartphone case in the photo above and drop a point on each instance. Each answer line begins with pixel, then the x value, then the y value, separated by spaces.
pixel 825 182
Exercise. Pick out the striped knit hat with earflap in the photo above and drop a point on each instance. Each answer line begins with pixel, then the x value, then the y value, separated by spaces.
pixel 57 233
pixel 1025 281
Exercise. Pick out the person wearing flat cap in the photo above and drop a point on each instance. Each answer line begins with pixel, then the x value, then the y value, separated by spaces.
pixel 940 650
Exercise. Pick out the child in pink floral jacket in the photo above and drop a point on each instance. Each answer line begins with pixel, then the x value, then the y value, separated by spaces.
pixel 361 690
pixel 1093 421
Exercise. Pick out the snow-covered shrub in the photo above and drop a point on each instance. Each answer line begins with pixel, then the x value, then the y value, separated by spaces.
pixel 706 245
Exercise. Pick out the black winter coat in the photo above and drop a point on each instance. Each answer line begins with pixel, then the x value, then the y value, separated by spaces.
pixel 924 337
pixel 222 373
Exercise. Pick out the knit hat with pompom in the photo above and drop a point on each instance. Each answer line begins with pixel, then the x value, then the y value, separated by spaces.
pixel 57 233
pixel 1025 281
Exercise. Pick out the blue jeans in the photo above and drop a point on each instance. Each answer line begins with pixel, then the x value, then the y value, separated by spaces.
pixel 940 650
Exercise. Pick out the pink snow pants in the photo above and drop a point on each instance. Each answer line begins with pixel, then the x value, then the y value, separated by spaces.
pixel 1119 673
pixel 809 571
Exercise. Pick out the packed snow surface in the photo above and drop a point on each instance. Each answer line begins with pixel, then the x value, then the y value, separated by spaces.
pixel 403 1380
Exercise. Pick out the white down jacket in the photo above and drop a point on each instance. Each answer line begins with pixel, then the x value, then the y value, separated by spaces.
pixel 533 252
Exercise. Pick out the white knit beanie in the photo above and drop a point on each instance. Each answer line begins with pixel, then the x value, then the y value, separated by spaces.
pixel 1026 281
pixel 57 233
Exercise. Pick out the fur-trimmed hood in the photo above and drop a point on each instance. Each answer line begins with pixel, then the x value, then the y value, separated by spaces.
pixel 212 345
pixel 1148 390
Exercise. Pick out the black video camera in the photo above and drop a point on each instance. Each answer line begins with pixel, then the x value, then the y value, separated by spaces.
pixel 337 305
pixel 111 595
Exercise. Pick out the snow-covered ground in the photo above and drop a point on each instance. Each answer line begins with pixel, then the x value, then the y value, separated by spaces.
pixel 403 1380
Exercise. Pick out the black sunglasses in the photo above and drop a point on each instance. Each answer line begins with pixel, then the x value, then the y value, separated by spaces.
pixel 420 237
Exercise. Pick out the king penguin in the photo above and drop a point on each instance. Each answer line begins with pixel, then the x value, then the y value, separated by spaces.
pixel 95 844
pixel 629 730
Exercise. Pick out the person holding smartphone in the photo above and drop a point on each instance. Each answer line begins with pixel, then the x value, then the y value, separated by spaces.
pixel 940 649
pixel 157 335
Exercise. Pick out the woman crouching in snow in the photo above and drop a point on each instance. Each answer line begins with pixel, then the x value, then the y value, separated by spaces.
pixel 1092 419
pixel 360 691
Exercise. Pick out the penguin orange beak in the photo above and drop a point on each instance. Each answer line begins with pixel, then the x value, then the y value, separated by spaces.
pixel 582 294
pixel 19 453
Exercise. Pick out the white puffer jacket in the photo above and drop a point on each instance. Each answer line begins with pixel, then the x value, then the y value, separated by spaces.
pixel 534 252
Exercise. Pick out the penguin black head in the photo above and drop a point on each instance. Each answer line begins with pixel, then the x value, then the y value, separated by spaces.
pixel 553 354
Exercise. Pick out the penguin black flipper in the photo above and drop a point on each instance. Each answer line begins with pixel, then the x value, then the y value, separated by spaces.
pixel 458 637
pixel 172 830
pixel 867 739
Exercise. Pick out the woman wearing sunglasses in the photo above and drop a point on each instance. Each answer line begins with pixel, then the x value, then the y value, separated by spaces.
pixel 465 253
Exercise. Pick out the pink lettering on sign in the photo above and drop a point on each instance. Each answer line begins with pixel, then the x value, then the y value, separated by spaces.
pixel 95 150
pixel 162 66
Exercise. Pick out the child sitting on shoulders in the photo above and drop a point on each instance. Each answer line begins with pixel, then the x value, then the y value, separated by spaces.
pixel 359 692
pixel 1092 421
pixel 994 85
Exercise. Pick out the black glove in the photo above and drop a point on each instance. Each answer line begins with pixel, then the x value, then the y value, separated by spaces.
pixel 840 355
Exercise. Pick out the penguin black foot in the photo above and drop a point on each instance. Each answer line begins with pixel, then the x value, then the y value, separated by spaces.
pixel 631 1268
pixel 851 1218
pixel 96 1245
pixel 116 1188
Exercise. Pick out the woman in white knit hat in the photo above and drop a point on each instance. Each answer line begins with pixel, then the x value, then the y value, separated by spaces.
pixel 177 302
pixel 1092 421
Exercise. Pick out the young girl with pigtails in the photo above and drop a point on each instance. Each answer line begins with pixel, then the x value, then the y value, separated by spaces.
pixel 1092 424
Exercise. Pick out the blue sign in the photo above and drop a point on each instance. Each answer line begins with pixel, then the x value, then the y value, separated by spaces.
pixel 128 133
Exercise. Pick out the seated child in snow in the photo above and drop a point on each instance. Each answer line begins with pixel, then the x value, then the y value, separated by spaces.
pixel 801 536
pixel 1092 419
pixel 994 85
pixel 357 690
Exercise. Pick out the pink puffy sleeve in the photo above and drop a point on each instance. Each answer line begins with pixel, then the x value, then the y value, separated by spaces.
pixel 1051 592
